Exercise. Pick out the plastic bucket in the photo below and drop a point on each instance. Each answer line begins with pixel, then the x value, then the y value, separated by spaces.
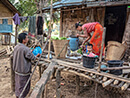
pixel 73 43
pixel 89 62
pixel 115 63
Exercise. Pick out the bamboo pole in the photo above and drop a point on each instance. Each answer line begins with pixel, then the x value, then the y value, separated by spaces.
pixel 125 86
pixel 107 82
pixel 115 68
pixel 12 75
pixel 102 45
pixel 50 27
pixel 117 81
pixel 16 34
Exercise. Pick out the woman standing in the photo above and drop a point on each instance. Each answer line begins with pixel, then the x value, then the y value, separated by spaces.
pixel 96 38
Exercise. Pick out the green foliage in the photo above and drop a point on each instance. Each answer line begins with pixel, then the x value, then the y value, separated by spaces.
pixel 25 7
pixel 29 8
pixel 57 38
pixel 63 38
pixel 80 50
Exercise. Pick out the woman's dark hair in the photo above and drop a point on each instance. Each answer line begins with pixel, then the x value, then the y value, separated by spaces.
pixel 78 24
pixel 89 44
pixel 21 37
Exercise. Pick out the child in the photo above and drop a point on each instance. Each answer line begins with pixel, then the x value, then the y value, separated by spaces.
pixel 89 50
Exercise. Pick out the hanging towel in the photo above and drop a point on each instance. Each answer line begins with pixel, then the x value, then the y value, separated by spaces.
pixel 32 24
pixel 40 25
pixel 16 19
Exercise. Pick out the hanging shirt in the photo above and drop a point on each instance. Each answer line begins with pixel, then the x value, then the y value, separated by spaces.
pixel 40 25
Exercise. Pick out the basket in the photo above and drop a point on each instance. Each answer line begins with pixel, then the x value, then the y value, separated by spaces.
pixel 115 50
pixel 60 48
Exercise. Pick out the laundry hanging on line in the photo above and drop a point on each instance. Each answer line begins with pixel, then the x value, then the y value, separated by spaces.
pixel 32 24
pixel 18 19
pixel 40 25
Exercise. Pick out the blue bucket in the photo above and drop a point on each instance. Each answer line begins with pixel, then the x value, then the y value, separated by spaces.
pixel 73 43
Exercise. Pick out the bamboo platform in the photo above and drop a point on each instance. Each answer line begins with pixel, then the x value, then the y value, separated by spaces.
pixel 121 82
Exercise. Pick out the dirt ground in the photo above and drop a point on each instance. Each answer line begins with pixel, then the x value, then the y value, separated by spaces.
pixel 67 90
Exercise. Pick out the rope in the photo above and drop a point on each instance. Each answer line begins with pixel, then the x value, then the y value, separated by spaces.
pixel 33 70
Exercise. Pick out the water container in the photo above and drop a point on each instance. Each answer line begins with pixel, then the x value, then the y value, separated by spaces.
pixel 89 62
pixel 115 63
pixel 86 49
pixel 73 43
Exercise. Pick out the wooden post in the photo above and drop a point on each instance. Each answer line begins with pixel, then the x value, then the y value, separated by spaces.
pixel 12 75
pixel 10 39
pixel 16 34
pixel 45 91
pixel 50 27
pixel 43 94
pixel 102 45
pixel 58 89
pixel 77 84
pixel 53 74
pixel 61 23
pixel 40 71
pixel 96 90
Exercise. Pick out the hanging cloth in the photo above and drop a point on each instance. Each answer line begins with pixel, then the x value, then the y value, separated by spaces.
pixel 32 24
pixel 40 25
pixel 16 19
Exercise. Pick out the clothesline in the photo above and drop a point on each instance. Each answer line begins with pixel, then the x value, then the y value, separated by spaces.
pixel 12 17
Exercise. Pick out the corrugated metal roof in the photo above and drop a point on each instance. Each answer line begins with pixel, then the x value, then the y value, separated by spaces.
pixel 66 3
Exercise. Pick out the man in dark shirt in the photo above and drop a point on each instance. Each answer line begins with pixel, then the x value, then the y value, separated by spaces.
pixel 22 57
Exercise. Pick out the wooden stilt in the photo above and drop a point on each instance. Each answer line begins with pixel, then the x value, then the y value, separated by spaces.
pixel 96 90
pixel 77 84
pixel 53 74
pixel 43 94
pixel 46 91
pixel 12 75
pixel 40 71
pixel 58 80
